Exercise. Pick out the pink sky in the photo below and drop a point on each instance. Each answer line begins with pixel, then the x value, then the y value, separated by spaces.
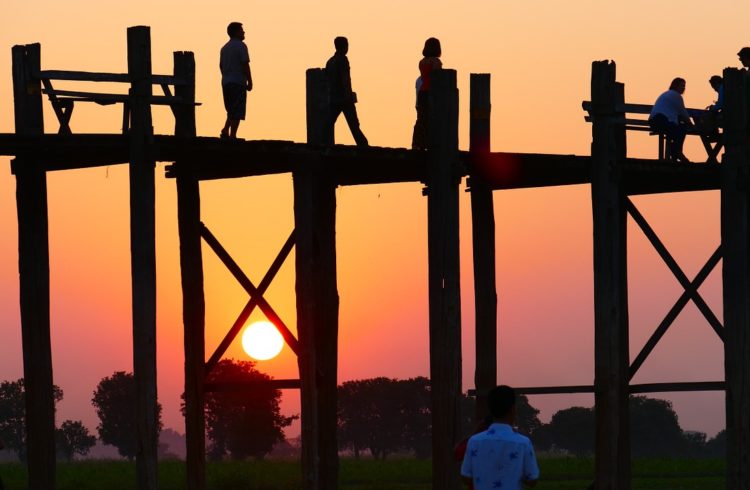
pixel 539 55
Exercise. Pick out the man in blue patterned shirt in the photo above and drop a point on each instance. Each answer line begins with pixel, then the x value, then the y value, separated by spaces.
pixel 500 457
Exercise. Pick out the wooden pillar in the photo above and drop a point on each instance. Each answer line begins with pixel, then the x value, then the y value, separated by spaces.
pixel 33 269
pixel 191 268
pixel 610 282
pixel 483 241
pixel 317 303
pixel 143 254
pixel 735 242
pixel 444 281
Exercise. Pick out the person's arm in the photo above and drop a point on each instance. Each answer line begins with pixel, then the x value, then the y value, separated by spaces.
pixel 346 80
pixel 530 468
pixel 682 113
pixel 248 75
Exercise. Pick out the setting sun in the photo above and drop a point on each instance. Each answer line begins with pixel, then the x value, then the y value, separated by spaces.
pixel 262 341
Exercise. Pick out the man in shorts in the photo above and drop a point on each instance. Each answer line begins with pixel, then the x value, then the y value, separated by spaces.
pixel 236 79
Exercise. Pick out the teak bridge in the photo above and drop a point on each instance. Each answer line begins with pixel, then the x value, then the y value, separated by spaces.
pixel 317 168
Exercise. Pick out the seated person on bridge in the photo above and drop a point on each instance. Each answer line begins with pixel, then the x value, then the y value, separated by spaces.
pixel 717 83
pixel 708 122
pixel 670 118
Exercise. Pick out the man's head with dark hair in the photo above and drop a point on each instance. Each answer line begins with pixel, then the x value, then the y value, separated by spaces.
pixel 432 48
pixel 678 85
pixel 234 29
pixel 744 56
pixel 715 82
pixel 342 44
pixel 501 400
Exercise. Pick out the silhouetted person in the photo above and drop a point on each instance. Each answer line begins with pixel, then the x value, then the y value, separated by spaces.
pixel 236 79
pixel 429 63
pixel 341 96
pixel 670 117
pixel 744 56
pixel 717 83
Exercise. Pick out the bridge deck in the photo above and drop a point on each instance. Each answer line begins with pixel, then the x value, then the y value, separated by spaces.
pixel 348 165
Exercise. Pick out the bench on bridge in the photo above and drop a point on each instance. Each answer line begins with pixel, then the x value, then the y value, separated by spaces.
pixel 636 119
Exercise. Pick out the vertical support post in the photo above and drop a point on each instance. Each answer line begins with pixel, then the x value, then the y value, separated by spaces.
pixel 143 254
pixel 444 282
pixel 735 243
pixel 610 283
pixel 320 130
pixel 191 268
pixel 483 242
pixel 33 269
pixel 317 304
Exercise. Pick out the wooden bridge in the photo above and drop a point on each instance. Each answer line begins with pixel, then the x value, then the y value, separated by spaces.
pixel 317 168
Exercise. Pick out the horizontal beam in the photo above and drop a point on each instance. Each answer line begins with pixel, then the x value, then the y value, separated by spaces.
pixel 214 158
pixel 250 386
pixel 634 389
pixel 115 98
pixel 88 76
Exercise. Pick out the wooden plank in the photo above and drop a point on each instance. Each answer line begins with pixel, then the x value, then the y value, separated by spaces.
pixel 317 303
pixel 191 273
pixel 143 255
pixel 444 280
pixel 115 98
pixel 612 467
pixel 88 76
pixel 735 240
pixel 483 245
pixel 33 269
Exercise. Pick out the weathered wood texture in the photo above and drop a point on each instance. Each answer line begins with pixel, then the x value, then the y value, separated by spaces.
pixel 444 284
pixel 33 269
pixel 317 305
pixel 143 255
pixel 191 270
pixel 610 283
pixel 735 239
pixel 483 242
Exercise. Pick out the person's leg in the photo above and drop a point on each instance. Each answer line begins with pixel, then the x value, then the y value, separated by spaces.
pixel 333 115
pixel 350 113
pixel 676 134
pixel 419 137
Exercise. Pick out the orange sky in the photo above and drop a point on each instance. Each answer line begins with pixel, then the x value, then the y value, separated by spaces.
pixel 539 54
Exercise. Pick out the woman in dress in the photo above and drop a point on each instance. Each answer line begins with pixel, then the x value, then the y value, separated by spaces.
pixel 427 65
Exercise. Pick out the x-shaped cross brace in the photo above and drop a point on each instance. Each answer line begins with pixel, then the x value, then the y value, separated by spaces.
pixel 690 293
pixel 256 296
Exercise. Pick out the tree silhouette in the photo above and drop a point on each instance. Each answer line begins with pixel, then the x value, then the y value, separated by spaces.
pixel 115 401
pixel 73 438
pixel 13 415
pixel 243 425
pixel 385 415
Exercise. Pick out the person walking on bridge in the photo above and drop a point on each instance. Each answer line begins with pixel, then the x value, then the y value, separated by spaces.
pixel 670 118
pixel 342 98
pixel 236 79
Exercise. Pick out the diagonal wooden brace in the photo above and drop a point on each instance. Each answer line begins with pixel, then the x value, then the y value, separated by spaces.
pixel 256 295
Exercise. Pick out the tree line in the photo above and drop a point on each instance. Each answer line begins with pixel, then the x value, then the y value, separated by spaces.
pixel 378 417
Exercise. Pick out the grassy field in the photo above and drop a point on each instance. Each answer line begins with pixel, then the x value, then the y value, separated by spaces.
pixel 557 474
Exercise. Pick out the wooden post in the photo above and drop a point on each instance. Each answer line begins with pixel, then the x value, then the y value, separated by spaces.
pixel 610 283
pixel 143 254
pixel 483 241
pixel 191 268
pixel 444 283
pixel 317 304
pixel 33 269
pixel 735 242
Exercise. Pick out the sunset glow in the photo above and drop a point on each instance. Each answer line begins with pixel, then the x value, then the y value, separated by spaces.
pixel 262 341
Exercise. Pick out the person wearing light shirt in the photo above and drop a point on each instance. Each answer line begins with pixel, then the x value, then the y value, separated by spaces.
pixel 670 117
pixel 500 457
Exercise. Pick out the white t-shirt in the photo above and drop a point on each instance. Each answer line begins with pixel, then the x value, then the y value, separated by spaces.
pixel 671 105
pixel 234 56
pixel 499 458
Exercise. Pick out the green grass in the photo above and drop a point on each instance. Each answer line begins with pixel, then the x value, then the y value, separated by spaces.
pixel 365 474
